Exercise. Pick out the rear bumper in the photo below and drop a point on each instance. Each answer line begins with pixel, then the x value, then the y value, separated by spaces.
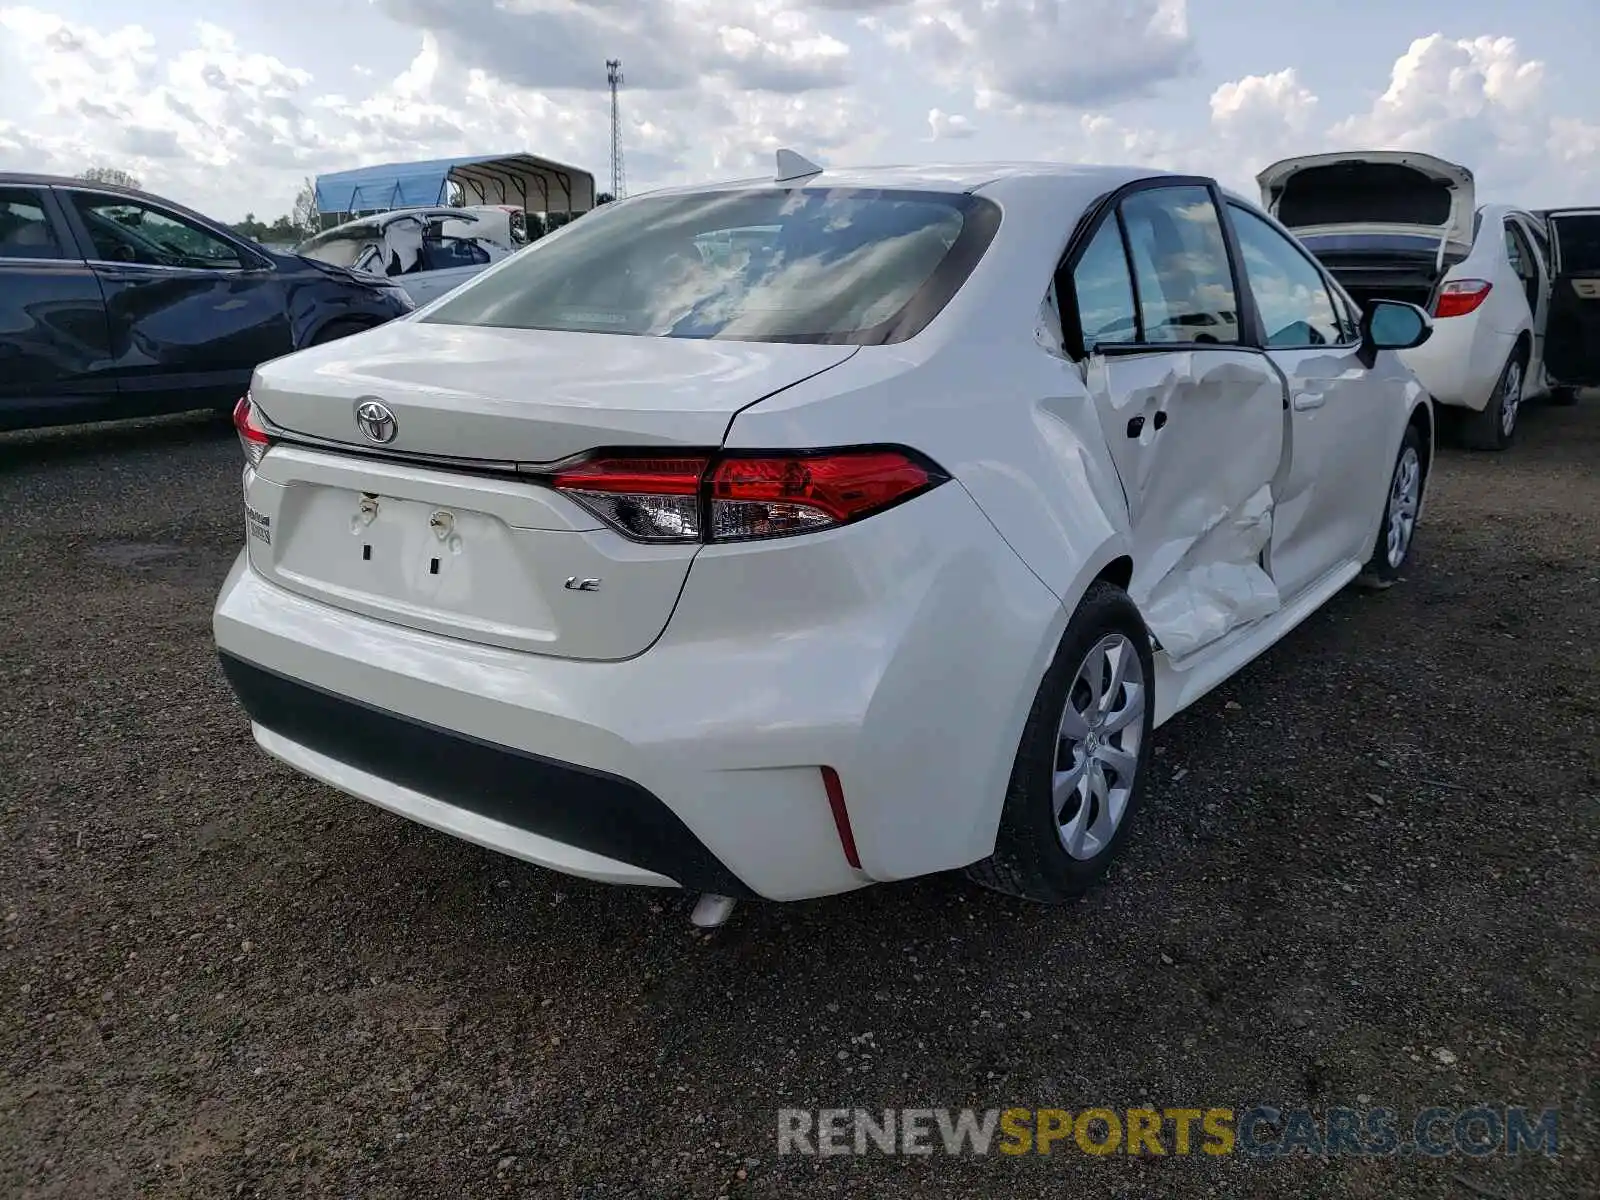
pixel 903 652
pixel 1460 364
pixel 538 808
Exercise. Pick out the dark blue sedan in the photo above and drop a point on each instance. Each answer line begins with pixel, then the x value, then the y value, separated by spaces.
pixel 115 303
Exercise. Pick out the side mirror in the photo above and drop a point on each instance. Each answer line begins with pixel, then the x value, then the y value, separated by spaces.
pixel 1392 325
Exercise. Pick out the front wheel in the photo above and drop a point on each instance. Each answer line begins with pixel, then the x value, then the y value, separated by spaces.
pixel 1076 782
pixel 1400 512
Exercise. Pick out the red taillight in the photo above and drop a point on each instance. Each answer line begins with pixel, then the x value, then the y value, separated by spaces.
pixel 252 437
pixel 738 497
pixel 768 497
pixel 647 499
pixel 1461 296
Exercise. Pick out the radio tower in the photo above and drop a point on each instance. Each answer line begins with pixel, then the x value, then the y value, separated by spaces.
pixel 614 79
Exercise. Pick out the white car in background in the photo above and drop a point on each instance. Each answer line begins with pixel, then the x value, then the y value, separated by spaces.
pixel 875 548
pixel 1399 225
pixel 427 251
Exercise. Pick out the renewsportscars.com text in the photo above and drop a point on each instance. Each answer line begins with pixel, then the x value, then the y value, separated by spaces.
pixel 1262 1131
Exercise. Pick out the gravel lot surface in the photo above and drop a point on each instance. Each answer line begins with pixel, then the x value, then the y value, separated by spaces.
pixel 1376 844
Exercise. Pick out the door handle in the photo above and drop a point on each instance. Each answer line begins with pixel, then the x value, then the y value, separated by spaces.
pixel 1136 424
pixel 1306 401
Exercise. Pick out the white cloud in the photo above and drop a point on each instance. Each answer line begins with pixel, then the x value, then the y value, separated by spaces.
pixel 1043 52
pixel 1477 101
pixel 1456 97
pixel 663 44
pixel 949 126
pixel 1263 104
pixel 715 86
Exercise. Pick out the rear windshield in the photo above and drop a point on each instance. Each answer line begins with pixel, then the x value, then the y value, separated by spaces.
pixel 861 267
pixel 1578 243
pixel 1361 193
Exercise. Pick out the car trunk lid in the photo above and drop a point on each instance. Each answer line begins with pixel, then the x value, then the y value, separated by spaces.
pixel 437 529
pixel 1388 224
pixel 1391 190
pixel 527 396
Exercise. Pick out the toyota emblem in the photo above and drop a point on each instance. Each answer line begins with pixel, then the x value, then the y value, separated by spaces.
pixel 375 421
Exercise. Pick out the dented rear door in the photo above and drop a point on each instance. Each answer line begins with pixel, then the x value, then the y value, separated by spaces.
pixel 1197 436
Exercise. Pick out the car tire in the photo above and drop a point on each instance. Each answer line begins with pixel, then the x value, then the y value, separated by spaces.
pixel 1397 532
pixel 1563 397
pixel 334 330
pixel 1496 426
pixel 1080 756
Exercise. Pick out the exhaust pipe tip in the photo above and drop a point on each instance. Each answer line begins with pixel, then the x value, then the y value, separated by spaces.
pixel 712 911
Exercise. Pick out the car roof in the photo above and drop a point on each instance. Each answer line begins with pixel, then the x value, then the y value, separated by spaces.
pixel 939 177
pixel 23 179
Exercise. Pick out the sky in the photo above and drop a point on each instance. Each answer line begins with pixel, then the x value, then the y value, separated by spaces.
pixel 228 112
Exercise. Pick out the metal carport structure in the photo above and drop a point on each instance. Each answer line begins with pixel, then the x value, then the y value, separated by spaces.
pixel 536 185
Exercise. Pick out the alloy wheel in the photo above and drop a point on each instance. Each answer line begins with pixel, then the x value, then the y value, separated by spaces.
pixel 1097 747
pixel 1405 496
pixel 1510 397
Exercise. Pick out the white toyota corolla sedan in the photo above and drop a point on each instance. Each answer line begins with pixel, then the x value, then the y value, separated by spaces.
pixel 785 536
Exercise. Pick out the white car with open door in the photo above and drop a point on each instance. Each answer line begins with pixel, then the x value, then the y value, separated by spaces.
pixel 426 251
pixel 876 548
pixel 1572 344
pixel 1404 226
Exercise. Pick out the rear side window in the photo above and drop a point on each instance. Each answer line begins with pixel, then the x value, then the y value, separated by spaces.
pixel 1180 266
pixel 1104 290
pixel 24 227
pixel 1520 253
pixel 852 266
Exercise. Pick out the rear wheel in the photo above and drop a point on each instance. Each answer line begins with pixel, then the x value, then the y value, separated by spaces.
pixel 1496 426
pixel 1077 778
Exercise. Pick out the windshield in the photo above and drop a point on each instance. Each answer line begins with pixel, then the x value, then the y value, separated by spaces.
pixel 339 249
pixel 804 265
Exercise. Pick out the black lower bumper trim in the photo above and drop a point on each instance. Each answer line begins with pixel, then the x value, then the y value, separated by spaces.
pixel 592 810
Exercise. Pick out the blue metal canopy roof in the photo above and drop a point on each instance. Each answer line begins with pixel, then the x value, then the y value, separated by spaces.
pixel 536 184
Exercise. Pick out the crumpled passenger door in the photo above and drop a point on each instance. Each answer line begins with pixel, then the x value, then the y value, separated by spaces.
pixel 1197 437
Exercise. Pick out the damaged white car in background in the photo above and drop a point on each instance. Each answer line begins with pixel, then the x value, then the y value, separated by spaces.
pixel 873 544
pixel 427 251
pixel 1400 225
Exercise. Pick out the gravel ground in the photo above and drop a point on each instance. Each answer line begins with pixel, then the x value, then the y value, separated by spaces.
pixel 1376 844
